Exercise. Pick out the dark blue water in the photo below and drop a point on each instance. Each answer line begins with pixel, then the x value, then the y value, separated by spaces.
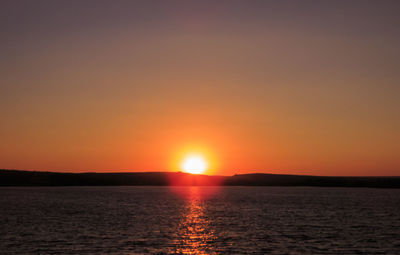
pixel 199 220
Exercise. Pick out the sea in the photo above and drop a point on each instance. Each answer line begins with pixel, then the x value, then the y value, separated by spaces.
pixel 199 220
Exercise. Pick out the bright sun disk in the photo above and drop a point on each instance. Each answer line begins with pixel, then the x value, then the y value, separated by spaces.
pixel 194 164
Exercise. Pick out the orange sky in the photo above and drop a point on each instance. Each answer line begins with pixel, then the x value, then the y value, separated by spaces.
pixel 254 86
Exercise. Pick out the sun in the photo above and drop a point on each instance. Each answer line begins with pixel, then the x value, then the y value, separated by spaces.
pixel 194 164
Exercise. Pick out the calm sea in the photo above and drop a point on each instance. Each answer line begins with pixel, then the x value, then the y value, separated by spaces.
pixel 199 220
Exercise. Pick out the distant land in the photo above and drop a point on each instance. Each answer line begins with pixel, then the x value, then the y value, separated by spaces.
pixel 38 178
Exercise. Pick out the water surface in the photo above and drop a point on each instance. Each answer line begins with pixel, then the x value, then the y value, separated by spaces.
pixel 199 220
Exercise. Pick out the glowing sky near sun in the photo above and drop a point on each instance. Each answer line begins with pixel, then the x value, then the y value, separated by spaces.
pixel 302 87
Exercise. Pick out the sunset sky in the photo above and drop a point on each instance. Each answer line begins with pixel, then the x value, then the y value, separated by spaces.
pixel 298 87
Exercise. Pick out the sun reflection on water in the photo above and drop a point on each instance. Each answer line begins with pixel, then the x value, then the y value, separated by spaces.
pixel 195 235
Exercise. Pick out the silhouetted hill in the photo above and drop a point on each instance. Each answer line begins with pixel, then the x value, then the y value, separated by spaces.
pixel 309 180
pixel 34 178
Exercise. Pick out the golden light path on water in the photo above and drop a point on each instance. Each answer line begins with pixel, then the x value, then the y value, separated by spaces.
pixel 195 233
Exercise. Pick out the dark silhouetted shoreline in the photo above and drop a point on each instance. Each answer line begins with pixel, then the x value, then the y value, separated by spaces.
pixel 37 178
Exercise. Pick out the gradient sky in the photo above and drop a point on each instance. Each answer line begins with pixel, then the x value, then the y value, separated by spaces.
pixel 301 87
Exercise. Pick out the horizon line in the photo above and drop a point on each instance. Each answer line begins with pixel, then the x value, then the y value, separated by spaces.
pixel 216 175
